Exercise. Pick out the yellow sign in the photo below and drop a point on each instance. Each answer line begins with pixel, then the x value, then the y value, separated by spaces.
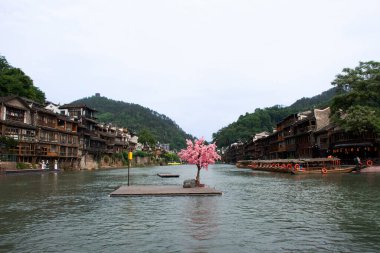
pixel 130 154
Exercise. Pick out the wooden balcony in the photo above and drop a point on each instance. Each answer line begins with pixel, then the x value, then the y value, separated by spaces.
pixel 47 140
pixel 290 147
pixel 273 149
pixel 46 124
pixel 27 139
pixel 288 133
pixel 306 129
pixel 15 118
pixel 96 150
pixel 26 152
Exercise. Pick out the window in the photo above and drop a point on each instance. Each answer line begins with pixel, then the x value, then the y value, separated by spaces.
pixel 63 151
pixel 15 114
pixel 12 132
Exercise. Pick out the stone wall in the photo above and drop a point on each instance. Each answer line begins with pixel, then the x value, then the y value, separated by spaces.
pixel 88 163
pixel 142 161
pixel 7 166
pixel 74 165
pixel 110 162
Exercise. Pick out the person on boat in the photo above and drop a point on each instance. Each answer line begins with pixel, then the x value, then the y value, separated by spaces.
pixel 358 163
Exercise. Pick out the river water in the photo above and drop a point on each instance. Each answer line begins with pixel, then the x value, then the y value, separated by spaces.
pixel 258 212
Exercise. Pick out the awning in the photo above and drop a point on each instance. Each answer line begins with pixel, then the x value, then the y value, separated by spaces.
pixel 361 144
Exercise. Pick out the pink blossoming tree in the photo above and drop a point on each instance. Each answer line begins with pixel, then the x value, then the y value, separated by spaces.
pixel 200 154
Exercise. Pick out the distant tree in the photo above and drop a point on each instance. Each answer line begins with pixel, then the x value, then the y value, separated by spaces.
pixel 7 143
pixel 137 118
pixel 266 119
pixel 146 137
pixel 13 81
pixel 3 63
pixel 356 108
pixel 200 154
pixel 171 157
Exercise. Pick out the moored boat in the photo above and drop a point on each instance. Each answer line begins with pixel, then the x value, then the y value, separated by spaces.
pixel 297 166
pixel 174 163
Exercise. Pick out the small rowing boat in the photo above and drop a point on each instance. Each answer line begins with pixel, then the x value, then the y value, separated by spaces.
pixel 168 175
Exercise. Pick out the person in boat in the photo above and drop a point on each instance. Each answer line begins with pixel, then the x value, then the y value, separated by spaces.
pixel 358 163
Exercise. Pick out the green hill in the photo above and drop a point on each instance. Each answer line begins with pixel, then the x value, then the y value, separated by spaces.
pixel 138 119
pixel 13 81
pixel 265 119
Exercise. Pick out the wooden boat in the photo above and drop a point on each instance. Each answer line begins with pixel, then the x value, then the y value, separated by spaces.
pixel 297 166
pixel 167 175
pixel 174 163
pixel 18 171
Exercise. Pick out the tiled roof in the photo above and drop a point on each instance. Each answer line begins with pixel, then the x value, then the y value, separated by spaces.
pixel 7 98
pixel 325 128
pixel 71 106
pixel 17 124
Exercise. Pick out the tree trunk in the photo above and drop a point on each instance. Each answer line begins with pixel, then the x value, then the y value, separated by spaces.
pixel 197 179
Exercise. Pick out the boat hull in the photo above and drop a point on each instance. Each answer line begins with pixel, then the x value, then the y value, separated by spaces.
pixel 297 166
pixel 327 171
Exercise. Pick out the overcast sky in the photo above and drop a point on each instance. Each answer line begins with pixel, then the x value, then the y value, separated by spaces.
pixel 202 63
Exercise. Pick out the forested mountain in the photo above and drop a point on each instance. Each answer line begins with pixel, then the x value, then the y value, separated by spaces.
pixel 137 118
pixel 265 119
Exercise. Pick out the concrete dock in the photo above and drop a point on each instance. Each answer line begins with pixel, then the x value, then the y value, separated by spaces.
pixel 166 190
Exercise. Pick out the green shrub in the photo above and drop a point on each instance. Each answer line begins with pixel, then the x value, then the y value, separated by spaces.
pixel 141 153
pixel 106 159
pixel 171 157
pixel 22 166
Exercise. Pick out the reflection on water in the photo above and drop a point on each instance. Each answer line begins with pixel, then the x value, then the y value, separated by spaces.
pixel 201 217
pixel 258 211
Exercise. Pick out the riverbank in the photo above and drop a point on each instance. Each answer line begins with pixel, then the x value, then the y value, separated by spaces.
pixel 86 164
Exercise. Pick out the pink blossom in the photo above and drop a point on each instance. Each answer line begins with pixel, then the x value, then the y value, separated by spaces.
pixel 199 153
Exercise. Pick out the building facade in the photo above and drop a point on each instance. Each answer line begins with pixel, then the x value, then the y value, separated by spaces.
pixel 307 135
pixel 64 135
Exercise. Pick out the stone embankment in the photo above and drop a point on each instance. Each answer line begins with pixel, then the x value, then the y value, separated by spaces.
pixel 87 162
pixel 7 166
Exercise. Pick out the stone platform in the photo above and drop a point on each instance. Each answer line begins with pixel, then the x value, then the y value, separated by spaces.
pixel 166 190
